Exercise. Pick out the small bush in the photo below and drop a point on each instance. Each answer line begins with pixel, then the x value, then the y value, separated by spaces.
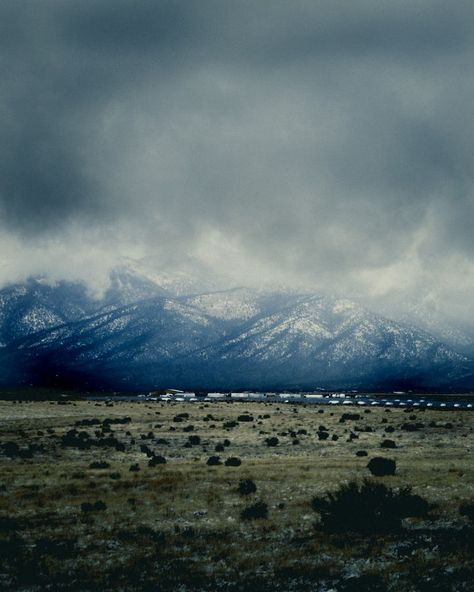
pixel 272 441
pixel 99 465
pixel 230 424
pixel 369 508
pixel 467 509
pixel 245 417
pixel 233 461
pixel 246 487
pixel 11 449
pixel 381 467
pixel 255 512
pixel 411 427
pixel 156 460
pixel 349 417
pixel 213 461
pixel 388 444
pixel 95 507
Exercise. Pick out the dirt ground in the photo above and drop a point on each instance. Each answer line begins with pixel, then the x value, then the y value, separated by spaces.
pixel 82 509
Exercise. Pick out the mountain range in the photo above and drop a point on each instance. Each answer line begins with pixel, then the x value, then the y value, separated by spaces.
pixel 150 332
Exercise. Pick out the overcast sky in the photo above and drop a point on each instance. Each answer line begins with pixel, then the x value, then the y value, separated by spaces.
pixel 319 142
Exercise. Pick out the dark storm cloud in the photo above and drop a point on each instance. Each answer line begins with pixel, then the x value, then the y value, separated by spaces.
pixel 328 140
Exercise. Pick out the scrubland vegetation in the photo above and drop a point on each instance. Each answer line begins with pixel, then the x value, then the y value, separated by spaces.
pixel 234 496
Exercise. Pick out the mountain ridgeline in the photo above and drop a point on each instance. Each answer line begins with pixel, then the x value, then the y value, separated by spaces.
pixel 147 334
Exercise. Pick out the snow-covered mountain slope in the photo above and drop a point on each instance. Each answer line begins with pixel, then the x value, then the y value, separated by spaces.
pixel 428 316
pixel 335 342
pixel 37 305
pixel 109 347
pixel 242 304
pixel 176 283
pixel 428 313
pixel 338 329
pixel 234 339
pixel 127 287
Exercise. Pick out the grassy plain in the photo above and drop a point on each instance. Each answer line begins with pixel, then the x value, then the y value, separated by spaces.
pixel 68 524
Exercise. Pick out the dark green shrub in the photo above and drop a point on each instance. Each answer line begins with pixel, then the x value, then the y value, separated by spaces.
pixel 255 512
pixel 245 417
pixel 246 487
pixel 467 509
pixel 11 449
pixel 233 461
pixel 368 508
pixel 99 465
pixel 98 506
pixel 380 467
pixel 156 460
pixel 349 417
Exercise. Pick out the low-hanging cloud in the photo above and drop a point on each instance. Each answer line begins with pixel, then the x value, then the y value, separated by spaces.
pixel 324 142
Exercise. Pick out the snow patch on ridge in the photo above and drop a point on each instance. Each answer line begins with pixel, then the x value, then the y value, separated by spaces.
pixel 238 304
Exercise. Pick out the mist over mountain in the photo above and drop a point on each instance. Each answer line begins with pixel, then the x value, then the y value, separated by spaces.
pixel 426 314
pixel 145 334
pixel 308 143
pixel 155 156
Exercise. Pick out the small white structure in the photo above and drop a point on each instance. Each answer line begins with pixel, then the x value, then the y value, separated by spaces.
pixel 215 395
